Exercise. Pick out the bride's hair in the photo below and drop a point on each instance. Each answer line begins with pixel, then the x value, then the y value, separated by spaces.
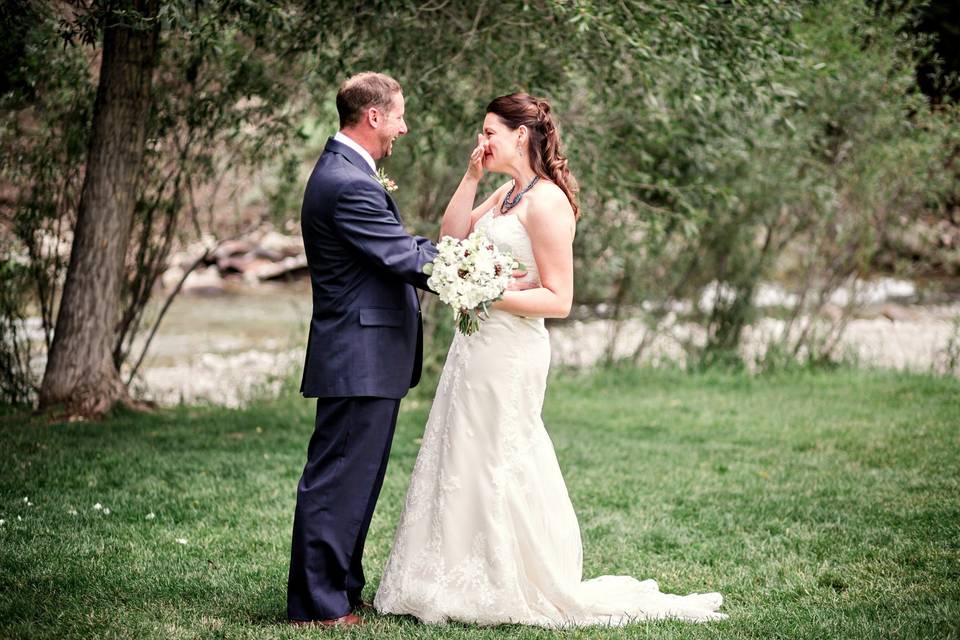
pixel 543 145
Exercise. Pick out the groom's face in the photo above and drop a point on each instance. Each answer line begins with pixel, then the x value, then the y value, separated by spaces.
pixel 392 127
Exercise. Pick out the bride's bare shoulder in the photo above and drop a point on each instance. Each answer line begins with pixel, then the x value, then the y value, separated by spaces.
pixel 548 202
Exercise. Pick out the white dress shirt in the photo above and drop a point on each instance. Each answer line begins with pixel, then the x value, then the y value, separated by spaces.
pixel 340 136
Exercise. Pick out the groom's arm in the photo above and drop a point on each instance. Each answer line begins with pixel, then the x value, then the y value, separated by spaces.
pixel 364 220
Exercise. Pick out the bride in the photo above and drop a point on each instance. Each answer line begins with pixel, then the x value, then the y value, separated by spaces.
pixel 488 534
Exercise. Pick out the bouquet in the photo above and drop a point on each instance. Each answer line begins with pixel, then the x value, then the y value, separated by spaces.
pixel 468 275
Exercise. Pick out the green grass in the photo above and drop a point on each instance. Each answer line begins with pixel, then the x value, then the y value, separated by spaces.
pixel 822 505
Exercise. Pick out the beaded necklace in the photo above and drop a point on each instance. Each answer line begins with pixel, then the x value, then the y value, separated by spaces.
pixel 509 203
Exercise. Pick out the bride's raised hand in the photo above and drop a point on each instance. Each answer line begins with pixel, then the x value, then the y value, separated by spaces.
pixel 475 167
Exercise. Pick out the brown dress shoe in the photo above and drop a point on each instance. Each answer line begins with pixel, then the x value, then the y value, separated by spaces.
pixel 342 621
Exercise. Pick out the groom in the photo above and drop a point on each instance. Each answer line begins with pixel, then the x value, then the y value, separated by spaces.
pixel 364 350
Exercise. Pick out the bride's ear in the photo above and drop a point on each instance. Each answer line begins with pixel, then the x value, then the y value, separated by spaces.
pixel 522 134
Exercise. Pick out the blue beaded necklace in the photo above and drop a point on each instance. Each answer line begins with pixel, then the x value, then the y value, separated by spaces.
pixel 509 203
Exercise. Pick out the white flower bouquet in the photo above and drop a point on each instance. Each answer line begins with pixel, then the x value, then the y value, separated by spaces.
pixel 468 275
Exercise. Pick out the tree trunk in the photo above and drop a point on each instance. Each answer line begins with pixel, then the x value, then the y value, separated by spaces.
pixel 80 375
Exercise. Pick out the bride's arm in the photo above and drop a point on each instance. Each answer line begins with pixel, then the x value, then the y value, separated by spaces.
pixel 460 216
pixel 550 224
pixel 458 219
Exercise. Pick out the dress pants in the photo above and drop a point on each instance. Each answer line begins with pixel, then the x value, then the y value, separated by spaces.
pixel 346 462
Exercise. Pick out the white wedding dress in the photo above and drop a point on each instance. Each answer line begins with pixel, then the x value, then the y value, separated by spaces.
pixel 488 534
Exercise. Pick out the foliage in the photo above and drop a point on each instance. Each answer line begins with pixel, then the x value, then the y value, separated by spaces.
pixel 16 379
pixel 856 157
pixel 801 185
pixel 47 100
pixel 714 142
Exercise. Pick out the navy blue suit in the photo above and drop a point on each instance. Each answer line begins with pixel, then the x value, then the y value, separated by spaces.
pixel 364 353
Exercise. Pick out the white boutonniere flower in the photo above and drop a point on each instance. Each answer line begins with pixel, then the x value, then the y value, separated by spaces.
pixel 385 181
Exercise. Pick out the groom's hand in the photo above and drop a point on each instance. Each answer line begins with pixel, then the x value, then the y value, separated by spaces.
pixel 519 284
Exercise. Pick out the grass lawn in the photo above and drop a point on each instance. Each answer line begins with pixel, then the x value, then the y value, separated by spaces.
pixel 822 505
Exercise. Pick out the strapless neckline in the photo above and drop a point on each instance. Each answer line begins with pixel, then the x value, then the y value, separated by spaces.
pixel 494 215
pixel 512 238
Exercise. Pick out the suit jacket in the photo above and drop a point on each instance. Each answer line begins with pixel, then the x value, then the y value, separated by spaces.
pixel 366 335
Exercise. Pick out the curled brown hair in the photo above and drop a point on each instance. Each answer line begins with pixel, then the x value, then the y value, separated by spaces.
pixel 364 90
pixel 543 144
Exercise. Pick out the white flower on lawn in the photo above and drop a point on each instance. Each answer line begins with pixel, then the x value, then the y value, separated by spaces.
pixel 181 541
pixel 2 522
pixel 98 507
pixel 151 515
pixel 106 511
pixel 72 511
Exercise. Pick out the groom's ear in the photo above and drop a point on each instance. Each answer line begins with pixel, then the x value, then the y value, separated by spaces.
pixel 373 117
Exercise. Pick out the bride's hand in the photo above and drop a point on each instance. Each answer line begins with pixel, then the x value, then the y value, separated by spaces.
pixel 475 167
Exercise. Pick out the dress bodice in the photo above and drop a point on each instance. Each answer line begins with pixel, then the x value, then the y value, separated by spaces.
pixel 509 234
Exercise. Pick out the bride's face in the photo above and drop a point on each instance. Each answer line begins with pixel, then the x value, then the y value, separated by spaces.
pixel 502 144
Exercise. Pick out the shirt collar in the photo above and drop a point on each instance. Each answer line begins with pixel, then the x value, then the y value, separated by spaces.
pixel 340 136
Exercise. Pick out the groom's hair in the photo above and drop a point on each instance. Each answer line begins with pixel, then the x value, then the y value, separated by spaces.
pixel 362 91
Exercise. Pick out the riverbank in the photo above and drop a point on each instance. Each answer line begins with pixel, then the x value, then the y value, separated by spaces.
pixel 224 349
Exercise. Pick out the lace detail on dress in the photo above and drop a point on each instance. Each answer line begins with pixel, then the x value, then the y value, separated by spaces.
pixel 488 534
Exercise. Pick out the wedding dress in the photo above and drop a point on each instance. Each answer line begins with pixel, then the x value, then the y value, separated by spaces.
pixel 488 534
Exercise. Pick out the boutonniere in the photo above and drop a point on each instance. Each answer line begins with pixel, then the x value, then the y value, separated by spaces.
pixel 385 181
